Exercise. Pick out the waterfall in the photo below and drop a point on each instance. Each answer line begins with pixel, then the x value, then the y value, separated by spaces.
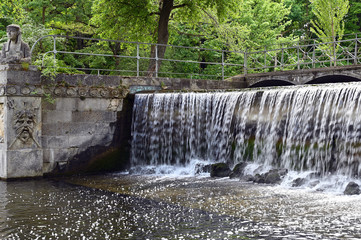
pixel 300 128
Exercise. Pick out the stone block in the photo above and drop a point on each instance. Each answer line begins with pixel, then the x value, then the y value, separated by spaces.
pixel 59 155
pixel 3 164
pixel 110 81
pixel 78 128
pixel 93 104
pixel 80 141
pixel 55 141
pixel 66 104
pixel 23 77
pixel 72 80
pixel 101 81
pixel 52 129
pixel 94 116
pixel 3 77
pixel 47 106
pixel 24 163
pixel 186 83
pixel 57 116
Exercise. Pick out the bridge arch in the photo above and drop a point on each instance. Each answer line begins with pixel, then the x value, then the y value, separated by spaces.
pixel 271 83
pixel 333 79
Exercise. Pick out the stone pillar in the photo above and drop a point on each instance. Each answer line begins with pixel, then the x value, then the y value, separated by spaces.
pixel 21 153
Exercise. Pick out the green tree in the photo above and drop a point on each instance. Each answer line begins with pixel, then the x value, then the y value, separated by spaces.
pixel 353 18
pixel 12 9
pixel 149 20
pixel 63 16
pixel 300 17
pixel 255 24
pixel 329 23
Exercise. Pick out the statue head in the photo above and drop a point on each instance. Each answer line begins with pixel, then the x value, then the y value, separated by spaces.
pixel 13 32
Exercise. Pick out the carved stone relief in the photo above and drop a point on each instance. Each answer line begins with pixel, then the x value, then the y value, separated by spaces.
pixel 24 122
pixel 60 91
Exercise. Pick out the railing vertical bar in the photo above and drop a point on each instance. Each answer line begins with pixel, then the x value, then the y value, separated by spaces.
pixel 222 65
pixel 313 53
pixel 274 69
pixel 138 58
pixel 298 57
pixel 265 58
pixel 282 57
pixel 245 62
pixel 355 59
pixel 156 60
pixel 54 49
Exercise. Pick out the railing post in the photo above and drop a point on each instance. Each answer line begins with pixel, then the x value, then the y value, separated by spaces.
pixel 298 56
pixel 265 58
pixel 222 65
pixel 282 56
pixel 313 54
pixel 275 66
pixel 334 50
pixel 245 62
pixel 138 57
pixel 156 60
pixel 355 59
pixel 54 49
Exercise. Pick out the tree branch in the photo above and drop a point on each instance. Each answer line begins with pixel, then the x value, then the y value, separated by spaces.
pixel 154 13
pixel 190 34
pixel 179 6
pixel 211 17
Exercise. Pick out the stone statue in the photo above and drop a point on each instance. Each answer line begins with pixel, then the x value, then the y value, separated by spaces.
pixel 15 50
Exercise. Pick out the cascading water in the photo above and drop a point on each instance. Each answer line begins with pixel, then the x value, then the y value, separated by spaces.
pixel 315 128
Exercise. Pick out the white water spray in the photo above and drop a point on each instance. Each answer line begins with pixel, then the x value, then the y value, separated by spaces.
pixel 301 128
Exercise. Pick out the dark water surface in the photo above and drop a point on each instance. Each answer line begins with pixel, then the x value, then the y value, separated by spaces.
pixel 117 206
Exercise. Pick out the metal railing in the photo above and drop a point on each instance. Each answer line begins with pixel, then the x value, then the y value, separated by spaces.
pixel 133 58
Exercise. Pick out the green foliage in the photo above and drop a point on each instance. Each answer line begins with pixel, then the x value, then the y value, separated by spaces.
pixel 229 25
pixel 353 18
pixel 49 66
pixel 138 20
pixel 329 18
pixel 64 16
pixel 13 9
pixel 329 23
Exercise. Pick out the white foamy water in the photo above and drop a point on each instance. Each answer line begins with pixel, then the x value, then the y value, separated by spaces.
pixel 302 128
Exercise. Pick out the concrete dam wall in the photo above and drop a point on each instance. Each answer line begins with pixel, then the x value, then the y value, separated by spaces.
pixel 72 123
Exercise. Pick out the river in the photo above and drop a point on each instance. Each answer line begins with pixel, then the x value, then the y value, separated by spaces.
pixel 123 206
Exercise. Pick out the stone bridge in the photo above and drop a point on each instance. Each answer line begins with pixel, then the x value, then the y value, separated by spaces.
pixel 348 73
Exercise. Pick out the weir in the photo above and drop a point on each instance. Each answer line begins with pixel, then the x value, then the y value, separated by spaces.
pixel 301 128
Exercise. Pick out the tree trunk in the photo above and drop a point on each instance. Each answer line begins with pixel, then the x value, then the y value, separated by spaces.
pixel 43 15
pixel 166 7
pixel 116 51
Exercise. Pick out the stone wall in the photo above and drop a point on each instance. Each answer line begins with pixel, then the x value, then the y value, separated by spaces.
pixel 61 125
pixel 72 123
